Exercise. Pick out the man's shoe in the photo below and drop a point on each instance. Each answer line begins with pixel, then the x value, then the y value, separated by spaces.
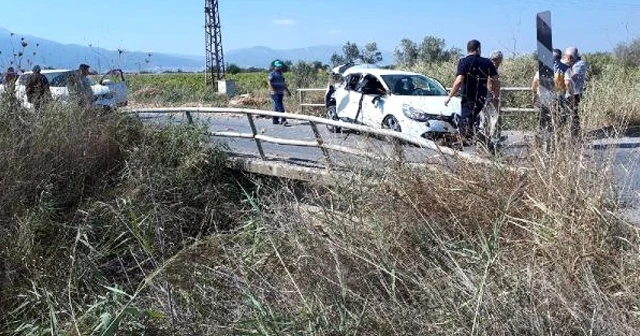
pixel 276 122
pixel 285 123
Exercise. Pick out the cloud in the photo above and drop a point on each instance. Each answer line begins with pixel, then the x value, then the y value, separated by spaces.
pixel 334 31
pixel 283 22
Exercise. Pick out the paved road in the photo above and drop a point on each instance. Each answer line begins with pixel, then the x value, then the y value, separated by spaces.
pixel 625 152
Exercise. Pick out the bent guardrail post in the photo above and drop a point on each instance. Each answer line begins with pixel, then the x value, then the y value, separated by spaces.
pixel 325 151
pixel 254 130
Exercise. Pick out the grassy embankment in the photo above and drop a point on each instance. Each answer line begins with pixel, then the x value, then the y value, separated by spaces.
pixel 107 225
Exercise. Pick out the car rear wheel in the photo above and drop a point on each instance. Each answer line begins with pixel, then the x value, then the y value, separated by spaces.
pixel 390 122
pixel 333 115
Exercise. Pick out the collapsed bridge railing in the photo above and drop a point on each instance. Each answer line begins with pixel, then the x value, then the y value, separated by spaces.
pixel 319 142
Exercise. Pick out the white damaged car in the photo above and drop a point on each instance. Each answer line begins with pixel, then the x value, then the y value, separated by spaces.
pixel 110 92
pixel 402 101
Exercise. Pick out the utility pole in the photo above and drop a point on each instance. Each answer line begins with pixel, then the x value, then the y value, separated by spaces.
pixel 213 43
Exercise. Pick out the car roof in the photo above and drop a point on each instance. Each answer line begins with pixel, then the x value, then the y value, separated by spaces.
pixel 44 72
pixel 378 71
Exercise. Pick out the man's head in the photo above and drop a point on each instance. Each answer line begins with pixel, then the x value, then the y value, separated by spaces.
pixel 496 57
pixel 84 69
pixel 571 55
pixel 473 47
pixel 11 70
pixel 557 54
pixel 36 69
pixel 278 65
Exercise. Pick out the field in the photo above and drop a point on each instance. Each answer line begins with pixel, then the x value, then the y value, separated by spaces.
pixel 109 226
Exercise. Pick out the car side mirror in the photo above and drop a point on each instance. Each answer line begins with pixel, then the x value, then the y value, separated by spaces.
pixel 106 82
pixel 376 99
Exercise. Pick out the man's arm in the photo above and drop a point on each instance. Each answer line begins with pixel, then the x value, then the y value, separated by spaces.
pixel 269 78
pixel 579 70
pixel 454 90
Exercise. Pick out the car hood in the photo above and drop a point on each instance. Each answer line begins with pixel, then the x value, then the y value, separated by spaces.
pixel 431 104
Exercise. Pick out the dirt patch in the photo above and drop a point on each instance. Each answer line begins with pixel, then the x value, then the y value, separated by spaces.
pixel 248 100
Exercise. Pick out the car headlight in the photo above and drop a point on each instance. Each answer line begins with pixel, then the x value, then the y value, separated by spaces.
pixel 417 114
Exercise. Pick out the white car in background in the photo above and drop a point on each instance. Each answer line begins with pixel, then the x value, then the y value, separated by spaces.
pixel 110 92
pixel 402 101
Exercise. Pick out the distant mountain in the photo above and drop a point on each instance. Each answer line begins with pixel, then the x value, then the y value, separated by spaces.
pixel 48 53
pixel 262 56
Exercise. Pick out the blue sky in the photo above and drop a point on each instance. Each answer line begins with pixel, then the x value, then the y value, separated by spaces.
pixel 176 26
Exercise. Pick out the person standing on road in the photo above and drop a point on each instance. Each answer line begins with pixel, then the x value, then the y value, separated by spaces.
pixel 80 86
pixel 475 77
pixel 37 89
pixel 575 78
pixel 278 87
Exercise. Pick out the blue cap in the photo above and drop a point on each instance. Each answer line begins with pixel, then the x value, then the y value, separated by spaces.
pixel 36 68
pixel 278 64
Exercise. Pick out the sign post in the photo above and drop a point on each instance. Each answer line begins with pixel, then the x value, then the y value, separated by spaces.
pixel 545 72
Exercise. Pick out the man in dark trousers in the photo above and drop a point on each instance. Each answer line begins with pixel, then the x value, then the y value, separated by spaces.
pixel 37 89
pixel 475 76
pixel 278 87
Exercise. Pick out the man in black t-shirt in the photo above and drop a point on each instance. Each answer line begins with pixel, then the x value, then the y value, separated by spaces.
pixel 474 78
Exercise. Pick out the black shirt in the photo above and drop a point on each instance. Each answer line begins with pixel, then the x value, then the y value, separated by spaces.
pixel 476 71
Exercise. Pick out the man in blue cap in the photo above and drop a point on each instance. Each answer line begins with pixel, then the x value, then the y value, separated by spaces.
pixel 278 87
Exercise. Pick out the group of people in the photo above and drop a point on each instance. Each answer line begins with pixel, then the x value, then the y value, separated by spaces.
pixel 478 81
pixel 38 90
pixel 569 75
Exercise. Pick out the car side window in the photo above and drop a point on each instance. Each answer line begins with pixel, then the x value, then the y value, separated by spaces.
pixel 371 85
pixel 352 81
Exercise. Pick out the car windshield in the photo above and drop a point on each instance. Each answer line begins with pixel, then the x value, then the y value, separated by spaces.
pixel 414 85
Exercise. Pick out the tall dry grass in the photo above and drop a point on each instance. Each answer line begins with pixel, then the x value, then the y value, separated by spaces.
pixel 479 251
pixel 92 206
pixel 109 226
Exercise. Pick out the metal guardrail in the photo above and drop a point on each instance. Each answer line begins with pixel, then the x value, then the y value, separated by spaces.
pixel 302 104
pixel 319 141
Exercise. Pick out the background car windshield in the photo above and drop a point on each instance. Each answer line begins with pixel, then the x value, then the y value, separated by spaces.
pixel 414 85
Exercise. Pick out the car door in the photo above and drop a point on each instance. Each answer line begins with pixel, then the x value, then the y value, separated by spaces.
pixel 115 81
pixel 372 93
pixel 348 97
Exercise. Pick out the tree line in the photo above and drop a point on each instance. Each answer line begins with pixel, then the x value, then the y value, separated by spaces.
pixel 409 53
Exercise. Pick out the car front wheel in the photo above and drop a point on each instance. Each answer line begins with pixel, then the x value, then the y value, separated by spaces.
pixel 390 122
pixel 332 115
